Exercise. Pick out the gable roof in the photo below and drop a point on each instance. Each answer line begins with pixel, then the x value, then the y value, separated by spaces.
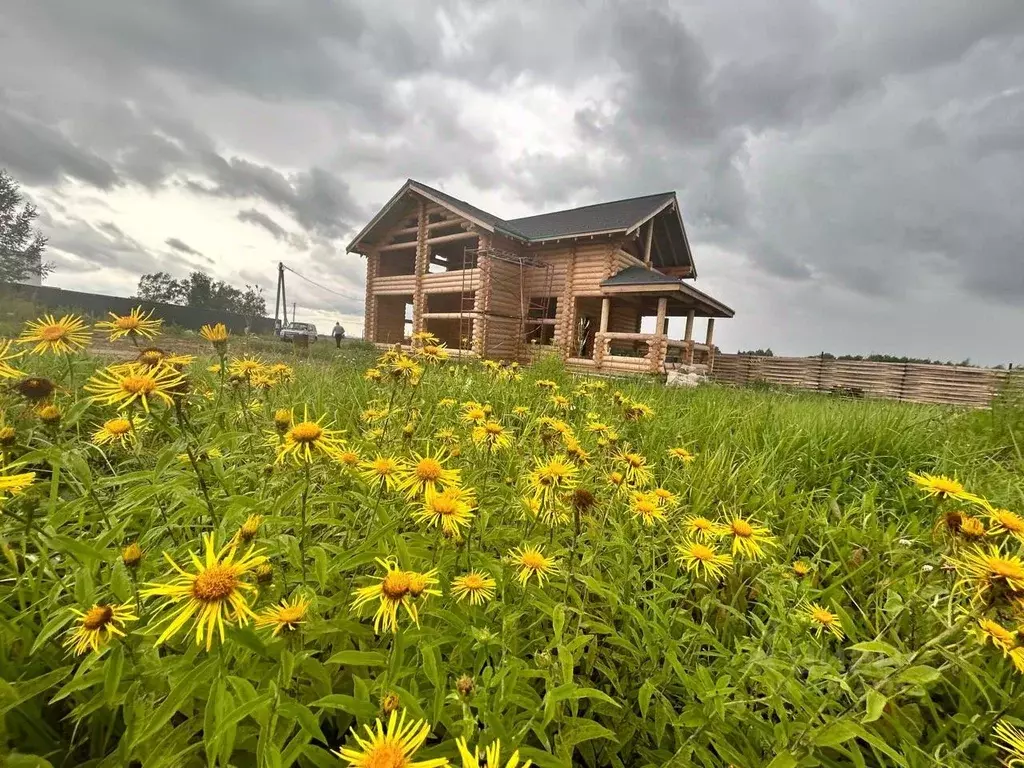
pixel 624 216
pixel 638 276
pixel 643 281
pixel 618 215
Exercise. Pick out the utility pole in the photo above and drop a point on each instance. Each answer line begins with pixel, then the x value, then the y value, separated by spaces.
pixel 281 302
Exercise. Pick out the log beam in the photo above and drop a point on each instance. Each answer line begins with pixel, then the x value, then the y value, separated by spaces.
pixel 709 339
pixel 647 243
pixel 606 308
pixel 689 326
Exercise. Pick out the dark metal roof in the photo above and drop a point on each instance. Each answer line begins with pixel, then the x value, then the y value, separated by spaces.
pixel 639 276
pixel 602 217
pixel 488 218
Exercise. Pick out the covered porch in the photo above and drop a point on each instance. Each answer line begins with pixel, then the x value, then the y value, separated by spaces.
pixel 610 338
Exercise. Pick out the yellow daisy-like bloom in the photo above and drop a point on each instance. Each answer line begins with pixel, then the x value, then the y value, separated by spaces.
pixel 550 427
pixel 427 476
pixel 131 555
pixel 246 367
pixel 349 458
pixel 681 454
pixel 491 756
pixel 451 510
pixel 1011 740
pixel 281 372
pixel 391 748
pixel 286 617
pixel 561 402
pixel 986 570
pixel 217 335
pixel 247 531
pixel 532 563
pixel 801 569
pixel 748 539
pixel 942 487
pixel 432 353
pixel 8 435
pixel 424 337
pixel 664 496
pixel 382 471
pixel 282 419
pixel 492 435
pixel 69 334
pixel 215 593
pixel 396 589
pixel 646 507
pixel 551 477
pixel 599 428
pixel 1005 521
pixel 634 467
pixel 521 410
pixel 50 414
pixel 573 448
pixel 262 381
pixel 373 374
pixel 117 430
pixel 634 411
pixel 13 485
pixel 701 529
pixel 127 384
pixel 7 354
pixel 309 440
pixel 971 527
pixel 135 323
pixel 474 586
pixel 446 402
pixel 95 628
pixel 822 620
pixel 151 357
pixel 406 369
pixel 474 413
pixel 546 384
pixel 702 561
pixel 1002 638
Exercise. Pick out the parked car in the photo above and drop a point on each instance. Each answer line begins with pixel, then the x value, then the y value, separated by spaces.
pixel 290 331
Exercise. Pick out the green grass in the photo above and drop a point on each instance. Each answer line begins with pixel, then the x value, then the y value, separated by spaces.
pixel 621 659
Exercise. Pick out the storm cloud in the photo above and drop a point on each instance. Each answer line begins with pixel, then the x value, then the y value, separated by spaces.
pixel 850 174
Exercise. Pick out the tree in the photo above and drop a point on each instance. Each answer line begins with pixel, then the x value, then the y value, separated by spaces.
pixel 160 286
pixel 21 247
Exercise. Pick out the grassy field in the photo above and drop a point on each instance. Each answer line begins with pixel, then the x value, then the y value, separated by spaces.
pixel 599 573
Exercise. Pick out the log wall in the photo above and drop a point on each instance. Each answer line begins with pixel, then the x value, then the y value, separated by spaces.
pixel 912 382
pixel 389 319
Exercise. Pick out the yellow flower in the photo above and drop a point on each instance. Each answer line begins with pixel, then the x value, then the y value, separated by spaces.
pixel 131 555
pixel 247 531
pixel 95 628
pixel 598 428
pixel 546 384
pixel 492 434
pixel 634 467
pixel 646 507
pixel 701 528
pixel 664 496
pixel 561 402
pixel 446 402
pixel 309 440
pixel 1011 740
pixel 281 372
pixel 575 450
pixel 748 539
pixel 801 569
pixel 391 748
pixel 424 337
pixel 491 756
pixel 1002 638
pixel 406 369
pixel 50 414
pixel 822 620
pixel 213 593
pixel 217 335
pixel 971 527
pixel 681 454
pixel 426 476
pixel 634 411
pixel 246 367
pixel 69 334
pixel 532 564
pixel 521 410
pixel 432 353
pixel 117 430
pixel 135 323
pixel 451 510
pixel 1005 521
pixel 702 561
pixel 284 617
pixel 282 419
pixel 7 371
pixel 12 485
pixel 474 413
pixel 942 487
pixel 396 589
pixel 476 587
pixel 617 479
pixel 349 458
pixel 381 471
pixel 130 383
pixel 988 569
pixel 373 374
pixel 551 477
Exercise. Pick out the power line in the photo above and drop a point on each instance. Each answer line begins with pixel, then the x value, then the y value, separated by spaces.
pixel 323 287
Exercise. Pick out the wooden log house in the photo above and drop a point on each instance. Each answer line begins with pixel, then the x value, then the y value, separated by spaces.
pixel 576 282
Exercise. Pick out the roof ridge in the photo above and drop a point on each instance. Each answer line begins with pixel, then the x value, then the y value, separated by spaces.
pixel 592 205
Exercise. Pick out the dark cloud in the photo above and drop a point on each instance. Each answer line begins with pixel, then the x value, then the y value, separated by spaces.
pixel 181 246
pixel 262 220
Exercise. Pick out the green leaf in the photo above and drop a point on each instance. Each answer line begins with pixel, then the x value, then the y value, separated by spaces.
pixel 112 675
pixel 875 704
pixel 238 713
pixel 359 658
pixel 575 730
pixel 349 704
pixel 919 675
pixel 80 550
pixel 50 628
pixel 644 697
pixel 13 695
pixel 180 692
pixel 309 722
pixel 876 646
pixel 836 733
pixel 784 759
pixel 558 622
pixel 432 664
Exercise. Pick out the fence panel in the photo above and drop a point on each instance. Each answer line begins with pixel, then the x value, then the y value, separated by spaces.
pixel 946 384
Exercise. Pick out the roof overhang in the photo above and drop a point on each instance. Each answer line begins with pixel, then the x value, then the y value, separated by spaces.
pixel 702 304
pixel 674 251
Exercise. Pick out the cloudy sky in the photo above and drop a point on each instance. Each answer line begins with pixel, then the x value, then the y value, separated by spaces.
pixel 851 172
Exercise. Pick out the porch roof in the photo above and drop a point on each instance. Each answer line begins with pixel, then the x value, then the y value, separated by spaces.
pixel 643 283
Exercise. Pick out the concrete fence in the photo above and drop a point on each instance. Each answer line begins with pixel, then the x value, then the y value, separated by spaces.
pixel 913 382
pixel 97 305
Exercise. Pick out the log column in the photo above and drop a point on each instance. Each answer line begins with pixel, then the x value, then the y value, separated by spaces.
pixel 370 304
pixel 658 348
pixel 421 268
pixel 709 340
pixel 688 338
pixel 482 302
pixel 647 243
pixel 599 341
pixel 567 310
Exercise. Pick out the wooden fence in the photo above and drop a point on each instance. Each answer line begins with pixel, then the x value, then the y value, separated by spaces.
pixel 949 384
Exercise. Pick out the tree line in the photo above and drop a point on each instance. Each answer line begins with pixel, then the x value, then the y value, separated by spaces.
pixel 873 358
pixel 202 291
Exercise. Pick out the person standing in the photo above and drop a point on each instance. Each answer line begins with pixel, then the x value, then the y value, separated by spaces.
pixel 339 334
